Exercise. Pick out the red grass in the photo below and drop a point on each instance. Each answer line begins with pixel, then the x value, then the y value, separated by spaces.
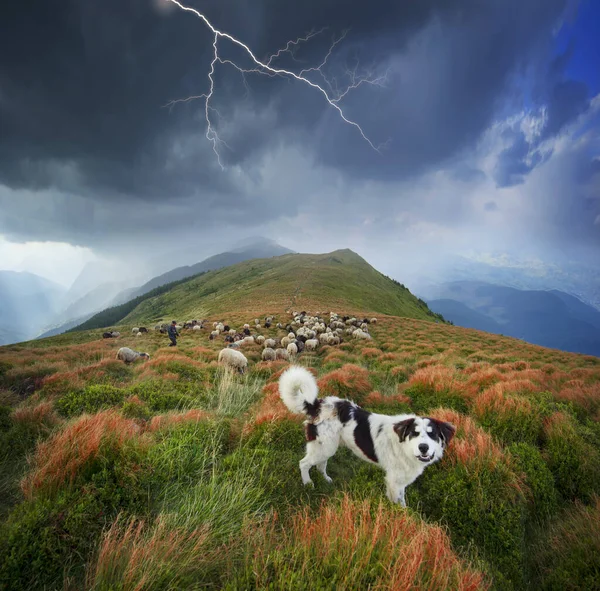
pixel 350 380
pixel 59 459
pixel 411 553
pixel 370 352
pixel 472 446
pixel 194 415
pixel 584 395
pixel 377 399
pixel 43 415
pixel 133 558
pixel 495 400
pixel 438 377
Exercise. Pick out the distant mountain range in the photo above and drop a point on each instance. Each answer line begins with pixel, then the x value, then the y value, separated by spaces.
pixel 549 318
pixel 572 277
pixel 110 294
pixel 258 248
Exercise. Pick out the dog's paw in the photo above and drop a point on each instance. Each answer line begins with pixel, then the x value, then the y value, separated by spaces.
pixel 309 483
pixel 328 479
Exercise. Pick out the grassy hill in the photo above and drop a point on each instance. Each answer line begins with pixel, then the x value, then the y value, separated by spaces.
pixel 175 474
pixel 340 278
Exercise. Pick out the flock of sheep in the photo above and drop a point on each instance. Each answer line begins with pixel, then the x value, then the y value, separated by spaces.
pixel 305 332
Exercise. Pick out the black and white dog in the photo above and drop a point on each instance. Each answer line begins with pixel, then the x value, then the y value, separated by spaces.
pixel 402 445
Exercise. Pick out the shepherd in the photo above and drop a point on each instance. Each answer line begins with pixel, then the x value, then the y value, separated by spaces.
pixel 173 334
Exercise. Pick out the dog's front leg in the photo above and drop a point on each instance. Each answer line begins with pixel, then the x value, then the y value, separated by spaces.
pixel 395 491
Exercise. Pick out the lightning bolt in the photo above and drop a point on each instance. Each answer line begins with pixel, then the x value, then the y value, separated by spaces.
pixel 331 94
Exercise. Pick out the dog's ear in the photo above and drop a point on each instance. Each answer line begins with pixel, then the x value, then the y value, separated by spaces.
pixel 447 431
pixel 403 428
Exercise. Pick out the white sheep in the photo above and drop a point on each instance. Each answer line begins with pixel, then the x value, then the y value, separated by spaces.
pixel 246 326
pixel 247 341
pixel 360 334
pixel 285 341
pixel 364 326
pixel 324 338
pixel 260 339
pixel 214 334
pixel 138 334
pixel 373 320
pixel 311 344
pixel 196 327
pixel 270 343
pixel 268 354
pixel 220 327
pixel 129 355
pixel 292 349
pixel 135 330
pixel 233 359
pixel 282 354
pixel 232 331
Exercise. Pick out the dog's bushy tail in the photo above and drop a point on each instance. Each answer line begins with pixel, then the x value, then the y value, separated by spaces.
pixel 298 386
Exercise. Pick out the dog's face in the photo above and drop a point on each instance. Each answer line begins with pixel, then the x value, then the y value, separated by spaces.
pixel 145 355
pixel 425 438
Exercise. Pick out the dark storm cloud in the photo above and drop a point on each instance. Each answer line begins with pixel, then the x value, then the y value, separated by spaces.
pixel 82 95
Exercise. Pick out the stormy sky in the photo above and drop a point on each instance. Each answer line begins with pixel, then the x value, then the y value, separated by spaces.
pixel 485 115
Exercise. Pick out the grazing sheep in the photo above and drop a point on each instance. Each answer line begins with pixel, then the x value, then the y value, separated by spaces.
pixel 300 345
pixel 360 334
pixel 115 334
pixel 260 339
pixel 233 359
pixel 285 341
pixel 129 355
pixel 227 328
pixel 248 341
pixel 311 344
pixel 214 334
pixel 232 332
pixel 373 320
pixel 323 338
pixel 143 329
pixel 267 325
pixel 364 326
pixel 139 334
pixel 107 335
pixel 280 326
pixel 270 343
pixel 246 326
pixel 135 330
pixel 292 349
pixel 268 354
pixel 282 354
pixel 196 327
pixel 247 331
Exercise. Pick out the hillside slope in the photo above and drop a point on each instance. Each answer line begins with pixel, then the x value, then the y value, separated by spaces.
pixel 337 280
pixel 340 279
pixel 175 473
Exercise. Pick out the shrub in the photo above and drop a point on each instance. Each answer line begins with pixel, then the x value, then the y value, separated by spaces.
pixel 353 546
pixel 511 419
pixel 543 498
pixel 45 539
pixel 90 400
pixel 477 493
pixel 77 451
pixel 567 553
pixel 161 395
pixel 574 462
